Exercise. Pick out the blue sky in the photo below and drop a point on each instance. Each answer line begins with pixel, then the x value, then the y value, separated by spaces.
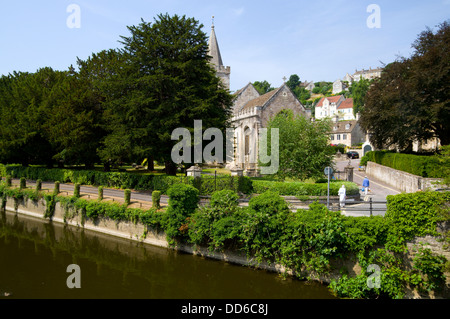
pixel 259 40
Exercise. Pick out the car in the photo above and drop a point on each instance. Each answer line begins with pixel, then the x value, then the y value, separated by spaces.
pixel 352 154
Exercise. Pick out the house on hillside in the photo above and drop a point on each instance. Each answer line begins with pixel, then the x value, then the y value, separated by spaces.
pixel 347 132
pixel 345 110
pixel 327 106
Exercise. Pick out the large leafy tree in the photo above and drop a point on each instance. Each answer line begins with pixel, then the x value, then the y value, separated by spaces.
pixel 304 151
pixel 25 111
pixel 358 92
pixel 167 83
pixel 263 87
pixel 411 100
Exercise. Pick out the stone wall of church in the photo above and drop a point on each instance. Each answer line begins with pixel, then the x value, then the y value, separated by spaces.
pixel 248 94
pixel 284 100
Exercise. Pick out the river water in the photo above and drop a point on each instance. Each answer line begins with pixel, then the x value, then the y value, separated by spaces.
pixel 35 254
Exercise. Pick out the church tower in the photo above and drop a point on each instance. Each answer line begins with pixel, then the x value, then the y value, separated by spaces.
pixel 223 72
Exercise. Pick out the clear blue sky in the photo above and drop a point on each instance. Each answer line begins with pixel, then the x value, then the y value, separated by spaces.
pixel 259 40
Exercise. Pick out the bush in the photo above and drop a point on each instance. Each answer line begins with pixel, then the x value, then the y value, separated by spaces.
pixel 183 200
pixel 225 200
pixel 38 185
pixel 364 160
pixel 206 185
pixel 127 196
pixel 56 189
pixel 269 203
pixel 156 197
pixel 100 193
pixel 76 190
pixel 299 188
pixel 425 166
pixel 23 183
pixel 8 181
pixel 414 215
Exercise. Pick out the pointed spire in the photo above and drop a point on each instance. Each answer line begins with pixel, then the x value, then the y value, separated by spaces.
pixel 214 50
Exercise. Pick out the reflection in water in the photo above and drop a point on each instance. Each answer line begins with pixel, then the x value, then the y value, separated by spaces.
pixel 34 255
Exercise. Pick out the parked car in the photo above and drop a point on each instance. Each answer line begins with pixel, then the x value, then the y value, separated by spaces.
pixel 352 154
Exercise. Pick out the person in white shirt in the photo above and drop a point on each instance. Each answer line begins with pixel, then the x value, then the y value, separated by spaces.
pixel 342 196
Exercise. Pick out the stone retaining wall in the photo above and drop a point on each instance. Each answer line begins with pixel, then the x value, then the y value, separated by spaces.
pixel 403 181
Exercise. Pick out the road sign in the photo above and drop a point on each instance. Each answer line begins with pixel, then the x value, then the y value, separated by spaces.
pixel 328 169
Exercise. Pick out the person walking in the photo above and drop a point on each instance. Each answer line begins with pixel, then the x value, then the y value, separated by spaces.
pixel 366 185
pixel 342 196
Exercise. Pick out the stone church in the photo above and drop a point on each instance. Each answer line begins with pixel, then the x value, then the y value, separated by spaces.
pixel 251 112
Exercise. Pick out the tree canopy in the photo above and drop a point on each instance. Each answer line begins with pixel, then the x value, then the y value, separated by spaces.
pixel 121 105
pixel 411 100
pixel 304 151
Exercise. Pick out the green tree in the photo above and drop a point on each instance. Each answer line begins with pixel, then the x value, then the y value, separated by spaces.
pixel 263 87
pixel 358 92
pixel 168 83
pixel 25 111
pixel 303 146
pixel 411 100
pixel 293 82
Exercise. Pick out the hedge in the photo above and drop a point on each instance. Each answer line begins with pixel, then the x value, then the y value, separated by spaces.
pixel 207 185
pixel 424 166
pixel 298 188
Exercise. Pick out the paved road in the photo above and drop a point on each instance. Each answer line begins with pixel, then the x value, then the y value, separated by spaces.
pixel 378 192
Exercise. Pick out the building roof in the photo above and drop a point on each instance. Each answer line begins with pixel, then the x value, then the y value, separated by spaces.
pixel 331 99
pixel 262 100
pixel 367 71
pixel 346 104
pixel 214 50
pixel 239 92
pixel 344 126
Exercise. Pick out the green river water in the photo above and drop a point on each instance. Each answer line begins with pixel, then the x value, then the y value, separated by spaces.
pixel 35 254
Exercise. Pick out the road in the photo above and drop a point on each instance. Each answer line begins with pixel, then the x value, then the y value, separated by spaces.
pixel 378 192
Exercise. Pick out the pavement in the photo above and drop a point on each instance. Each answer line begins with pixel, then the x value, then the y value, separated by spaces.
pixel 378 192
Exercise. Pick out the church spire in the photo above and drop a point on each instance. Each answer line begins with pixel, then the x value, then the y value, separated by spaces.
pixel 214 50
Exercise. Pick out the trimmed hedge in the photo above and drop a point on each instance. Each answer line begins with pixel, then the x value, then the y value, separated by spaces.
pixel 425 166
pixel 207 185
pixel 298 188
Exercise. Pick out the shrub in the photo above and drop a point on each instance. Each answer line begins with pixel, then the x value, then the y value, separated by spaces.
pixel 100 193
pixel 156 197
pixel 225 200
pixel 76 190
pixel 127 196
pixel 364 160
pixel 38 185
pixel 269 203
pixel 8 181
pixel 56 189
pixel 299 188
pixel 414 215
pixel 425 166
pixel 207 185
pixel 23 183
pixel 183 200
